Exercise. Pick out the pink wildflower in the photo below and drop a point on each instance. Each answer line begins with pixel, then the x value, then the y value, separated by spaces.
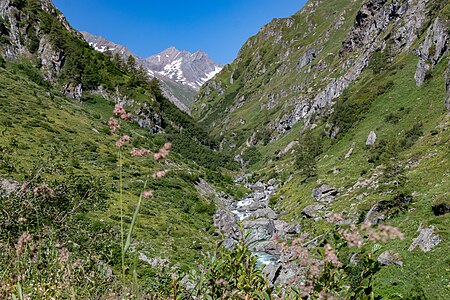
pixel 126 116
pixel 389 232
pixel 331 256
pixel 159 174
pixel 147 194
pixel 113 124
pixel 372 235
pixel 366 226
pixel 353 238
pixel 163 152
pixel 314 270
pixel 118 110
pixel 139 152
pixel 167 146
pixel 122 140
pixel 336 218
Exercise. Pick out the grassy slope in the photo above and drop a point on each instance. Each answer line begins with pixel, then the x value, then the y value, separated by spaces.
pixel 393 95
pixel 280 76
pixel 428 181
pixel 38 129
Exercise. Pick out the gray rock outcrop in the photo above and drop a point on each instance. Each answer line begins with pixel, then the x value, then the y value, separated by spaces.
pixel 371 139
pixel 390 258
pixel 426 240
pixel 261 230
pixel 311 211
pixel 431 50
pixel 324 193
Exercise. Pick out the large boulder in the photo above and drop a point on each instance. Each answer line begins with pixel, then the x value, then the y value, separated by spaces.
pixel 324 193
pixel 426 239
pixel 312 211
pixel 226 222
pixel 265 213
pixel 260 230
pixel 390 258
pixel 286 230
pixel 371 139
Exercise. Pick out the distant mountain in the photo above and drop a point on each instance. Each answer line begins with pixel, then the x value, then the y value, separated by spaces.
pixel 181 72
pixel 192 69
pixel 101 44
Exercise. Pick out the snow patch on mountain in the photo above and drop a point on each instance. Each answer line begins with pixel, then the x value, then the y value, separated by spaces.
pixel 211 74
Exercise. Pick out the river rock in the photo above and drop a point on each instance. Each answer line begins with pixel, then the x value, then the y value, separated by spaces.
pixel 265 213
pixel 390 258
pixel 265 246
pixel 259 196
pixel 426 239
pixel 261 230
pixel 273 272
pixel 229 243
pixel 324 193
pixel 256 205
pixel 257 187
pixel 226 222
pixel 286 230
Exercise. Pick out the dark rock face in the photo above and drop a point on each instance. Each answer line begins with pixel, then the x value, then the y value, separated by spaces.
pixel 441 209
pixel 386 208
pixel 365 20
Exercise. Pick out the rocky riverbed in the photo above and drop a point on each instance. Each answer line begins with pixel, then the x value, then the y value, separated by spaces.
pixel 263 225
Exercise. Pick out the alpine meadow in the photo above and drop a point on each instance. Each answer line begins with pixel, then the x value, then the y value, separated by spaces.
pixel 316 165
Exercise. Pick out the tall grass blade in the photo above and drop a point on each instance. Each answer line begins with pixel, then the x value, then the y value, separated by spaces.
pixel 133 221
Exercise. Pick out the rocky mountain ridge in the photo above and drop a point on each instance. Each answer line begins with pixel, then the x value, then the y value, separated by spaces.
pixel 302 73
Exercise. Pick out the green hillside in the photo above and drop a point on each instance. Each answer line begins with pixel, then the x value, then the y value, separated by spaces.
pixel 337 117
pixel 285 102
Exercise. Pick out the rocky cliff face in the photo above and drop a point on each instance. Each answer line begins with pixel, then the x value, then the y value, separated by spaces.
pixel 294 69
pixel 22 35
pixel 181 72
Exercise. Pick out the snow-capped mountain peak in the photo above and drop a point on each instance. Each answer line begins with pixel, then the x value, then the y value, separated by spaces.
pixel 181 72
pixel 192 69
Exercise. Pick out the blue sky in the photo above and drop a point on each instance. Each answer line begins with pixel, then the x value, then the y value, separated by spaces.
pixel 219 27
